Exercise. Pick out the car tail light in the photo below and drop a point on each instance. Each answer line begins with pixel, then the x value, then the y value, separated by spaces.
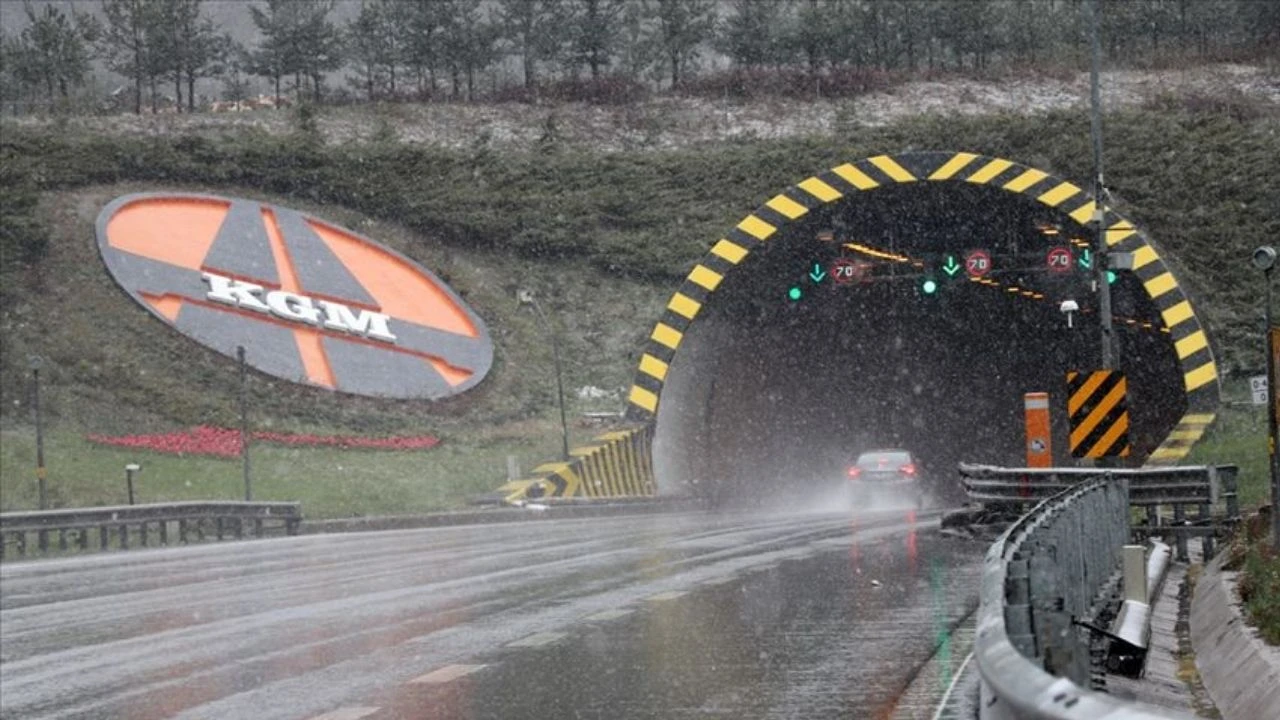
pixel 908 469
pixel 854 472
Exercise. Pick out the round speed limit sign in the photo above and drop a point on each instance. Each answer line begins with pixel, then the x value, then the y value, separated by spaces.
pixel 1059 259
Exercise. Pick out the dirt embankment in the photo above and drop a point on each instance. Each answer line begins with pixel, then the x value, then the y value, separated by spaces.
pixel 673 121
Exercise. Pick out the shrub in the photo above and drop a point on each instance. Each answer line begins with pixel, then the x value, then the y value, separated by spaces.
pixel 22 238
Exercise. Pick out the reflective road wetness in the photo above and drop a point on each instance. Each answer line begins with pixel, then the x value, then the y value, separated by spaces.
pixel 645 616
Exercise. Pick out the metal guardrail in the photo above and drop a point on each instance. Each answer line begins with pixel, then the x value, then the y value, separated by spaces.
pixel 126 526
pixel 1045 574
pixel 1192 492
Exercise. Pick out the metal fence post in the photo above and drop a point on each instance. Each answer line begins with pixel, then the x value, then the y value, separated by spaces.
pixel 1180 539
pixel 1230 491
pixel 1206 519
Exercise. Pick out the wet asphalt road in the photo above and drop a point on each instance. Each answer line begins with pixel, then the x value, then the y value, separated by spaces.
pixel 655 616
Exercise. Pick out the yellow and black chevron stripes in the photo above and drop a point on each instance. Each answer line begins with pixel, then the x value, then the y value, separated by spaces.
pixel 1098 410
pixel 1178 444
pixel 770 221
pixel 615 464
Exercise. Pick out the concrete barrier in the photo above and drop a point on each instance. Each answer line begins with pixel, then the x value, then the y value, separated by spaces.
pixel 1240 671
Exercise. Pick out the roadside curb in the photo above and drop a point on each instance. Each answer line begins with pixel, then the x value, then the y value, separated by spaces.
pixel 1240 671
pixel 548 511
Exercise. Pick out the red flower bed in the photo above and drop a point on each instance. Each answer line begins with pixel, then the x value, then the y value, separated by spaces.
pixel 225 442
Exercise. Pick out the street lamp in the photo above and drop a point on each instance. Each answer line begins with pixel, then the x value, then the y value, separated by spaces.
pixel 526 298
pixel 1264 259
pixel 35 362
pixel 244 422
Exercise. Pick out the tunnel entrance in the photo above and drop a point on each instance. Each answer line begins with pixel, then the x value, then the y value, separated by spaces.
pixel 840 317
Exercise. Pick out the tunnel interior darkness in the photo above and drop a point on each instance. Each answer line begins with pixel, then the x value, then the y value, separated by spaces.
pixel 770 397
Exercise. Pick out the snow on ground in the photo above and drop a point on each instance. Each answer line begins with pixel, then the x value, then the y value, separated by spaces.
pixel 669 121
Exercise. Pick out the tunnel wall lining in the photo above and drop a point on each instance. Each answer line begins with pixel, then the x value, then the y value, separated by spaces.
pixel 1195 357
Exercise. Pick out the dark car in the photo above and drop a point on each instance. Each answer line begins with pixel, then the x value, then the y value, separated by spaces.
pixel 885 477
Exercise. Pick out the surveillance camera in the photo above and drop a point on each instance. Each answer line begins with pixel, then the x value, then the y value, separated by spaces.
pixel 1264 257
pixel 1069 306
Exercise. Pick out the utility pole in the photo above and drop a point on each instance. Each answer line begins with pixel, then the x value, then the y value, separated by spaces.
pixel 244 423
pixel 526 298
pixel 35 362
pixel 1102 259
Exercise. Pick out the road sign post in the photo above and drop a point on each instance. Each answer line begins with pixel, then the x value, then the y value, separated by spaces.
pixel 1273 419
pixel 1264 259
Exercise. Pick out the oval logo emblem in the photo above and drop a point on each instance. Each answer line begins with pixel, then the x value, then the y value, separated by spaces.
pixel 309 301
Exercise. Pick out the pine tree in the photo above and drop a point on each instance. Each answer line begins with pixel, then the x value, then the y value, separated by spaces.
pixel 593 29
pixel 128 42
pixel 681 27
pixel 750 34
pixel 533 29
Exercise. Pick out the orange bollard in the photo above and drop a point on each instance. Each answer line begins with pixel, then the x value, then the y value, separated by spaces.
pixel 1039 442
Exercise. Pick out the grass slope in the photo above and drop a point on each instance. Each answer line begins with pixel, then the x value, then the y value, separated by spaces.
pixel 602 236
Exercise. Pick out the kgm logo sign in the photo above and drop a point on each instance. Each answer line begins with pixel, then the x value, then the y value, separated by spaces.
pixel 310 302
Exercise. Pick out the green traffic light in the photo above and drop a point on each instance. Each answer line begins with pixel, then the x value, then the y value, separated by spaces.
pixel 930 286
pixel 1111 277
pixel 794 293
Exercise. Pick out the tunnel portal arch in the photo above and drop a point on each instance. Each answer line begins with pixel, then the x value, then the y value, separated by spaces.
pixel 847 182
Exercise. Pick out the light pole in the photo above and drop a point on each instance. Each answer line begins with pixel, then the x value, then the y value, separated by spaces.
pixel 129 470
pixel 1264 259
pixel 244 422
pixel 526 298
pixel 35 362
pixel 1101 260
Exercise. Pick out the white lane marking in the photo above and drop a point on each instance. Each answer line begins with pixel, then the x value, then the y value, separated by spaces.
pixel 946 696
pixel 665 596
pixel 608 615
pixel 725 580
pixel 347 713
pixel 447 673
pixel 537 639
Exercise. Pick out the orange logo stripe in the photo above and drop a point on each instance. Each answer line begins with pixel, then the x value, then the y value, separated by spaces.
pixel 315 361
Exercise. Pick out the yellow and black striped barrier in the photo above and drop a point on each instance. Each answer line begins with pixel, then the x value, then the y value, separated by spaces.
pixel 615 464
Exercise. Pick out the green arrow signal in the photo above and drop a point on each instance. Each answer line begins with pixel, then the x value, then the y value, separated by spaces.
pixel 951 267
pixel 1086 259
pixel 817 273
